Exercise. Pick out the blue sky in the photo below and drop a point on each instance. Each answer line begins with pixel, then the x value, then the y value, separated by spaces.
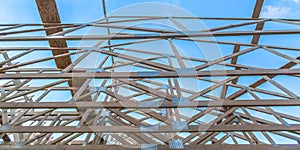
pixel 82 11
pixel 20 11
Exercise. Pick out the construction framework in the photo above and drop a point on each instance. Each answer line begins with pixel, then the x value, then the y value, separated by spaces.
pixel 150 115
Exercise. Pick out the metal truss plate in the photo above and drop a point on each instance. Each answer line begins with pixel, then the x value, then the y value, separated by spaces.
pixel 180 101
pixel 148 73
pixel 98 89
pixel 176 144
pixel 185 71
pixel 147 128
pixel 148 146
pixel 94 70
pixel 179 125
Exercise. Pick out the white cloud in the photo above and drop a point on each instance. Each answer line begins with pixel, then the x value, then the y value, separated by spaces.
pixel 275 12
pixel 296 1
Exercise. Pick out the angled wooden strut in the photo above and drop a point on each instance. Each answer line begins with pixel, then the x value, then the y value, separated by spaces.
pixel 49 15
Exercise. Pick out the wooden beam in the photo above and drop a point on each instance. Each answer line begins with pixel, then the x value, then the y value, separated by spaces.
pixel 150 36
pixel 161 104
pixel 50 17
pixel 255 72
pixel 161 129
pixel 257 8
pixel 255 38
pixel 49 14
pixel 160 147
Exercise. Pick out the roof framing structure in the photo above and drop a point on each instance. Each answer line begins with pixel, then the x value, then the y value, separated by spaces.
pixel 154 112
